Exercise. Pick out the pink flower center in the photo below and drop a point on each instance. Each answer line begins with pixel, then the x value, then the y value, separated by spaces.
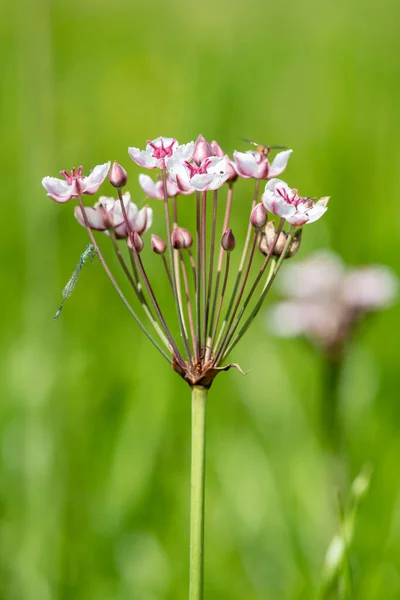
pixel 74 175
pixel 197 170
pixel 293 199
pixel 161 151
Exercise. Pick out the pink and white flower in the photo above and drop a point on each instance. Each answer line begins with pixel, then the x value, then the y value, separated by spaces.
pixel 107 214
pixel 158 151
pixel 284 202
pixel 256 165
pixel 75 184
pixel 325 299
pixel 155 189
pixel 211 174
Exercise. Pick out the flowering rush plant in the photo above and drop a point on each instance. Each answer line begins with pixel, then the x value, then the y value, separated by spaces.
pixel 214 302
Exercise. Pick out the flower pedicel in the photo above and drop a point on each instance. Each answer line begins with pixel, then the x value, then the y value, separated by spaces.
pixel 198 271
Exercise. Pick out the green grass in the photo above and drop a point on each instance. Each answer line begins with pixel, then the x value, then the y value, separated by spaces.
pixel 94 427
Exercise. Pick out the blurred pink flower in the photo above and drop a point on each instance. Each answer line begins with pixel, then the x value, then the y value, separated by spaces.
pixel 284 202
pixel 325 299
pixel 255 164
pixel 158 150
pixel 75 184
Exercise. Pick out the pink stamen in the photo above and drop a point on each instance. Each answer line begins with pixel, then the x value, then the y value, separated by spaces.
pixel 74 175
pixel 161 151
pixel 293 200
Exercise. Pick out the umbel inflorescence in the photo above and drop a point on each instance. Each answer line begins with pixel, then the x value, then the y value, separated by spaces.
pixel 215 303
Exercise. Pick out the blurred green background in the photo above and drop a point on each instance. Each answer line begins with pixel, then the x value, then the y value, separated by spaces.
pixel 94 426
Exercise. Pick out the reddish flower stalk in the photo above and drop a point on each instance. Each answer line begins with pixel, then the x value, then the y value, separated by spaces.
pixel 186 169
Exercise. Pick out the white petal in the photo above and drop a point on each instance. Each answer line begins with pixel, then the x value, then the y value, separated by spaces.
pixel 96 178
pixel 184 152
pixel 274 184
pixel 176 168
pixel 172 188
pixel 300 217
pixel 131 211
pixel 150 188
pixel 94 217
pixel 218 165
pixel 247 165
pixel 279 163
pixel 316 212
pixel 126 198
pixel 58 189
pixel 277 205
pixel 142 158
pixel 106 202
pixel 144 220
pixel 118 218
pixel 203 182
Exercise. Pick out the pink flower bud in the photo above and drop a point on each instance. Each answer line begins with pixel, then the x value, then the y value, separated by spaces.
pixel 258 217
pixel 202 150
pixel 216 149
pixel 135 242
pixel 177 239
pixel 181 238
pixel 157 244
pixel 187 236
pixel 118 176
pixel 228 241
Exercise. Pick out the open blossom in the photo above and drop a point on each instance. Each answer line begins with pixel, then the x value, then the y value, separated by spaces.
pixel 211 174
pixel 324 299
pixel 204 149
pixel 155 189
pixel 75 184
pixel 284 202
pixel 158 151
pixel 107 214
pixel 256 165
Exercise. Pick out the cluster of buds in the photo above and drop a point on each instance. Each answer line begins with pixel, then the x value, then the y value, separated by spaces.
pixel 325 301
pixel 198 269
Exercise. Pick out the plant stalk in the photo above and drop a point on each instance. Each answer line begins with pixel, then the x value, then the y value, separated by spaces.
pixel 199 398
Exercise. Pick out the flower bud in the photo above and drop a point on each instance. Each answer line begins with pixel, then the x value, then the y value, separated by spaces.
pixel 267 238
pixel 216 149
pixel 118 176
pixel 228 241
pixel 295 245
pixel 135 242
pixel 258 217
pixel 157 244
pixel 187 236
pixel 181 238
pixel 177 239
pixel 202 150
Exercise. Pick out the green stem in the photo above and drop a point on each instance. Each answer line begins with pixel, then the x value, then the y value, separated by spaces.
pixel 199 398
